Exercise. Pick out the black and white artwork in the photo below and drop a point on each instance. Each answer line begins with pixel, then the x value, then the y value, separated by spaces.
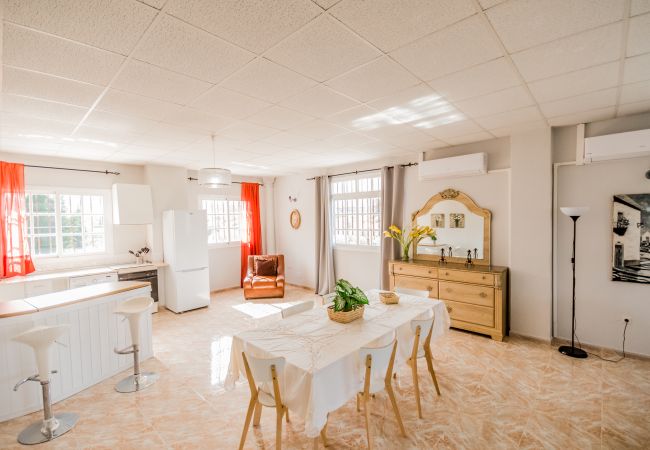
pixel 631 238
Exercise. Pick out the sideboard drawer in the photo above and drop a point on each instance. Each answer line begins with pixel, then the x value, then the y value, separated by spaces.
pixel 415 271
pixel 421 284
pixel 467 277
pixel 467 293
pixel 480 315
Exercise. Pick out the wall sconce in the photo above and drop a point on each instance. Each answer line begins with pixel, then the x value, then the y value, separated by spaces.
pixel 293 199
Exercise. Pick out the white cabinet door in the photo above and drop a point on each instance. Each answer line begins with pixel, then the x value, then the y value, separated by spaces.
pixel 87 280
pixel 34 288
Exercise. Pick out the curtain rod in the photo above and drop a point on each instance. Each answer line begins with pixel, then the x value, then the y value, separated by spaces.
pixel 105 172
pixel 233 182
pixel 362 171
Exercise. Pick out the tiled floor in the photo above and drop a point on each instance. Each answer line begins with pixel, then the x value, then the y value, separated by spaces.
pixel 513 394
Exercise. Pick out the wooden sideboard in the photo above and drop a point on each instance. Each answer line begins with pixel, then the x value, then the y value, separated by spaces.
pixel 476 296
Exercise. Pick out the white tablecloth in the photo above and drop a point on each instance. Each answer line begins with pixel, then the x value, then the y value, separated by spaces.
pixel 322 370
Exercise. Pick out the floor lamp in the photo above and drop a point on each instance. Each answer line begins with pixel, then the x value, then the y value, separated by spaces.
pixel 574 212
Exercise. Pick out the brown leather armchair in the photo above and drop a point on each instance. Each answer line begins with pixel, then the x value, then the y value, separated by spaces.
pixel 264 285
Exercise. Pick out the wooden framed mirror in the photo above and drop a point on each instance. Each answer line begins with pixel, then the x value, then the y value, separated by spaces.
pixel 460 224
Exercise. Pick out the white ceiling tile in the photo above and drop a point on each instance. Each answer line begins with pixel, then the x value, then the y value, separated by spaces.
pixel 349 117
pixel 119 123
pixel 227 103
pixel 404 98
pixel 525 23
pixel 431 144
pixel 41 109
pixel 326 4
pixel 285 139
pixel 634 108
pixel 457 47
pixel 637 68
pixel 248 132
pixel 268 81
pixel 165 136
pixel 411 138
pixel 279 118
pixel 518 128
pixel 323 49
pixel 38 85
pixel 582 50
pixel 92 22
pixel 348 139
pixel 158 4
pixel 180 47
pixel 193 118
pixel 496 102
pixel 478 80
pixel 376 79
pixel 254 25
pixel 45 53
pixel 485 4
pixel 319 129
pixel 263 148
pixel 151 81
pixel 82 151
pixel 319 101
pixel 517 116
pixel 35 126
pixel 583 117
pixel 389 24
pixel 580 103
pixel 467 138
pixel 574 83
pixel 128 104
pixel 639 7
pixel 635 92
pixel 103 135
pixel 638 37
pixel 455 129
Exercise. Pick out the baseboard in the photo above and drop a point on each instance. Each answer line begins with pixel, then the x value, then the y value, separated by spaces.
pixel 216 291
pixel 529 337
pixel 309 288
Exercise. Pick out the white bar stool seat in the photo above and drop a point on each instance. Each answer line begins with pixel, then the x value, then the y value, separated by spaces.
pixel 132 310
pixel 41 339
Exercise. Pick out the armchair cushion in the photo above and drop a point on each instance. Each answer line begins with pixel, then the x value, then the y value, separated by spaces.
pixel 263 282
pixel 266 266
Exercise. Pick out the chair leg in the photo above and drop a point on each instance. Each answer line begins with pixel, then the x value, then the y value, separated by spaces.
pixel 286 411
pixel 358 407
pixel 416 385
pixel 429 359
pixel 278 429
pixel 258 414
pixel 366 409
pixel 391 395
pixel 249 414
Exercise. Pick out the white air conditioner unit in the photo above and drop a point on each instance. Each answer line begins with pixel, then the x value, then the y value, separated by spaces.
pixel 617 146
pixel 456 166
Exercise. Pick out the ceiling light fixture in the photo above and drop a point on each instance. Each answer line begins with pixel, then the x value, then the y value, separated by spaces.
pixel 215 177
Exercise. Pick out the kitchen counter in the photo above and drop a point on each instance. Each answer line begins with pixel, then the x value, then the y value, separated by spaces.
pixel 62 274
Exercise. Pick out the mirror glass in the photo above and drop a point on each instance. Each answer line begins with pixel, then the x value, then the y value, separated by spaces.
pixel 456 227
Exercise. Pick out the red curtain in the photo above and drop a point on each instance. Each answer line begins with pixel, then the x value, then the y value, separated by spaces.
pixel 16 259
pixel 251 242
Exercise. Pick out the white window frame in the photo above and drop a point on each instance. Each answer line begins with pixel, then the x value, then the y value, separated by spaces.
pixel 223 198
pixel 355 195
pixel 108 219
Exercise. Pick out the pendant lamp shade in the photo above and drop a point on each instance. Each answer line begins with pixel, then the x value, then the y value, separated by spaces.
pixel 214 177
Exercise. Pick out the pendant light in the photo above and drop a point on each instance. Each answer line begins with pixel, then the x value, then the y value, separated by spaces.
pixel 214 177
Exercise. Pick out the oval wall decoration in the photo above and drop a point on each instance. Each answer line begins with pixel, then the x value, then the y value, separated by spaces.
pixel 294 219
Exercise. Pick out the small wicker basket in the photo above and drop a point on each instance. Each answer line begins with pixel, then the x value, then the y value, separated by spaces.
pixel 389 298
pixel 345 316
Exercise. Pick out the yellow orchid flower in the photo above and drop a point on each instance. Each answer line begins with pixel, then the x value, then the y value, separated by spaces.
pixel 394 229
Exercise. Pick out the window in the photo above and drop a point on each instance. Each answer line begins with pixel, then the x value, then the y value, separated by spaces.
pixel 356 210
pixel 225 220
pixel 66 223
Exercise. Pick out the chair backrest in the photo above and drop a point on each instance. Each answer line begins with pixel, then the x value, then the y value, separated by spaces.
pixel 279 260
pixel 297 308
pixel 261 368
pixel 381 359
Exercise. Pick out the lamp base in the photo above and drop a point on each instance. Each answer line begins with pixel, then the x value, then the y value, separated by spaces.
pixel 573 352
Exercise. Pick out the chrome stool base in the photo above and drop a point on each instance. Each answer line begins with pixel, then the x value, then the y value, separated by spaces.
pixel 33 434
pixel 134 383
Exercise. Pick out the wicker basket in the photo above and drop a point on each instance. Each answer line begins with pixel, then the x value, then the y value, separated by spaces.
pixel 344 316
pixel 389 298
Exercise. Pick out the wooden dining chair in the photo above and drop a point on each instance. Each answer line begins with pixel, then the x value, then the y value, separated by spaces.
pixel 378 362
pixel 297 308
pixel 421 349
pixel 267 393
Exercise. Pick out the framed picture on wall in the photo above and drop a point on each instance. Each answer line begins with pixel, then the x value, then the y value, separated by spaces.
pixel 437 220
pixel 631 238
pixel 456 220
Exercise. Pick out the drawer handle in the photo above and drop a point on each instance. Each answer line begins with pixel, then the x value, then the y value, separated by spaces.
pixel 483 277
pixel 429 288
pixel 446 273
pixel 482 295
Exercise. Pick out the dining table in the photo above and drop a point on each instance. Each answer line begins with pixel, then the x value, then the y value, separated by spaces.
pixel 322 370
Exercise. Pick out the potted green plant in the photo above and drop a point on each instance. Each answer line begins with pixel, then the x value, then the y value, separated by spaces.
pixel 348 303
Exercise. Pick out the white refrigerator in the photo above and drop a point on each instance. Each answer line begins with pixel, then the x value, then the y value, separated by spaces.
pixel 185 246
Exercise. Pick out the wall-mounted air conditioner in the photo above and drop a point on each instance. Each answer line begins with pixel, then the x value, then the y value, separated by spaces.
pixel 617 146
pixel 456 166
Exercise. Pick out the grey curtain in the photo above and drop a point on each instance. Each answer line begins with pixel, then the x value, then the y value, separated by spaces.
pixel 392 213
pixel 325 280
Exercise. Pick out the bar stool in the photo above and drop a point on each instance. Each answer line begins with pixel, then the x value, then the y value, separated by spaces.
pixel 41 339
pixel 132 310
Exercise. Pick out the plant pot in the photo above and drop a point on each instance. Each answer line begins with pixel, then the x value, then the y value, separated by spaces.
pixel 405 253
pixel 345 316
pixel 620 231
